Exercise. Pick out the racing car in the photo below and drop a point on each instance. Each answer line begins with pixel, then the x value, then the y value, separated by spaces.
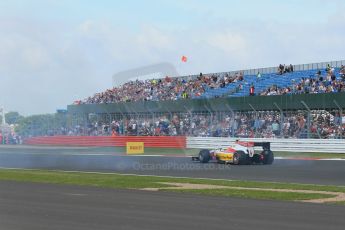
pixel 239 153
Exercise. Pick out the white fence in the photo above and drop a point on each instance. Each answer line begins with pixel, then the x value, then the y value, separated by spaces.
pixel 288 145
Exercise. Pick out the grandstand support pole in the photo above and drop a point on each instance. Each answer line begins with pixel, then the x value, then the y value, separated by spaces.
pixel 208 109
pixel 190 116
pixel 211 116
pixel 250 105
pixel 232 119
pixel 170 114
pixel 138 121
pixel 281 117
pixel 109 124
pixel 153 119
pixel 85 122
pixel 340 114
pixel 68 122
pixel 308 118
pixel 74 122
pixel 152 114
pixel 338 106
pixel 122 121
pixel 256 116
pixel 136 117
pixel 187 110
pixel 99 117
pixel 230 110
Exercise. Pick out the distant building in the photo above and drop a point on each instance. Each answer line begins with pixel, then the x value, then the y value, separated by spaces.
pixel 4 128
pixel 156 71
pixel 2 114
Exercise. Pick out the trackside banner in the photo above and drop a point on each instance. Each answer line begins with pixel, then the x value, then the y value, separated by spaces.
pixel 135 147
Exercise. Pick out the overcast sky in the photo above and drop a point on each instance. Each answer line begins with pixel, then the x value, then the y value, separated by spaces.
pixel 53 52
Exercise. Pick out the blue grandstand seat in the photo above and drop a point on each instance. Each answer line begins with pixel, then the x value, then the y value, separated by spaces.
pixel 263 83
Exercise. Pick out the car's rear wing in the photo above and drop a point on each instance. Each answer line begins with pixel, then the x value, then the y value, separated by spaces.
pixel 265 145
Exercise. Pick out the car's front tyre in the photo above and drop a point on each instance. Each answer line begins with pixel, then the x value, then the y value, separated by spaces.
pixel 240 158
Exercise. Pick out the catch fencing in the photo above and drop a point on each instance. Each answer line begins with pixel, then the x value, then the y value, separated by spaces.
pixel 286 145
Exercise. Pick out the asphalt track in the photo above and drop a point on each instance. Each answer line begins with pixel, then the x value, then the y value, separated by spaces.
pixel 89 159
pixel 34 206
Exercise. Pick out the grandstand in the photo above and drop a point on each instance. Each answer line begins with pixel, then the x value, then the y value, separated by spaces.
pixel 219 105
pixel 230 84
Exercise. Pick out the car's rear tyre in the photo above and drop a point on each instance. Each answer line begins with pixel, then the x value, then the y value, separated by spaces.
pixel 204 156
pixel 268 157
pixel 240 158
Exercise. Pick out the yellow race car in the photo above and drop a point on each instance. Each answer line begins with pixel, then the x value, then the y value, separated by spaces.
pixel 238 153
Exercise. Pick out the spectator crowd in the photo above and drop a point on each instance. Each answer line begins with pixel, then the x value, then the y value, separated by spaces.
pixel 164 89
pixel 312 84
pixel 9 139
pixel 322 124
pixel 285 69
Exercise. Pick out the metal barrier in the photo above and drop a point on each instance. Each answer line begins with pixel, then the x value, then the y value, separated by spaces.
pixel 286 145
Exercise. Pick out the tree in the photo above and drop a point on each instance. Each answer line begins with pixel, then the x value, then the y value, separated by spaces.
pixel 13 117
pixel 41 125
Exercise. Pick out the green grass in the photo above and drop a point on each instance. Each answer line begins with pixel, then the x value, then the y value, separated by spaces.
pixel 273 185
pixel 337 202
pixel 137 182
pixel 266 195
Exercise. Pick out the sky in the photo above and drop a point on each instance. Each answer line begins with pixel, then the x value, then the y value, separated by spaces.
pixel 53 52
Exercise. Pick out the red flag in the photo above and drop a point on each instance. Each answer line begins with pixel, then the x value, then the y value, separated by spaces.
pixel 184 59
